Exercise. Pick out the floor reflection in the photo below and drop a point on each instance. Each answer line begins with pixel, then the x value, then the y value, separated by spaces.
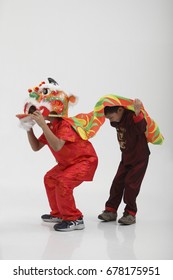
pixel 62 245
pixel 120 240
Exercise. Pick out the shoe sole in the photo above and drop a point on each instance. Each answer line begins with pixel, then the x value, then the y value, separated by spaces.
pixel 52 220
pixel 127 224
pixel 79 227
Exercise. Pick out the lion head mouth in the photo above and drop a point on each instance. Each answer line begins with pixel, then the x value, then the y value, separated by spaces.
pixel 32 109
pixel 55 107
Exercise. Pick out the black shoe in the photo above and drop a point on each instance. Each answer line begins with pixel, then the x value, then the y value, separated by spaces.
pixel 70 225
pixel 50 218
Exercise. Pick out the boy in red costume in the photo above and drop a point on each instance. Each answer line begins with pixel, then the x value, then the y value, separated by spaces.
pixel 131 127
pixel 76 157
pixel 77 162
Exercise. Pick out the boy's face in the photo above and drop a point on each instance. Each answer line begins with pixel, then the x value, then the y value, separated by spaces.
pixel 115 116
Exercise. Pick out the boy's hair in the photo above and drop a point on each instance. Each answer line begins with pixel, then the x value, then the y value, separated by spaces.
pixel 111 109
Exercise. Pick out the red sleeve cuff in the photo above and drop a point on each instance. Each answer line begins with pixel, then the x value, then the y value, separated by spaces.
pixel 138 118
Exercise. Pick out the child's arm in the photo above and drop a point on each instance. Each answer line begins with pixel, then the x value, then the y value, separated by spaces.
pixel 35 144
pixel 137 106
pixel 53 140
pixel 138 118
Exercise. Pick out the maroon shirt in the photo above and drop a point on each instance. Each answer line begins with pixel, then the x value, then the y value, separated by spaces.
pixel 131 137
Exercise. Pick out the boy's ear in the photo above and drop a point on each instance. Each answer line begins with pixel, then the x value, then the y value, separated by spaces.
pixel 120 109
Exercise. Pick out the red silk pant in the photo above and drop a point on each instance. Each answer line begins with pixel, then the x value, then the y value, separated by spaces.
pixel 59 184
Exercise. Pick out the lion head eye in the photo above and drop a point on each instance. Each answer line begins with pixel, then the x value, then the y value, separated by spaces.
pixel 45 91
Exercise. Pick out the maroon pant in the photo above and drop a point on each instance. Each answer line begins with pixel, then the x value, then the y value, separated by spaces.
pixel 126 185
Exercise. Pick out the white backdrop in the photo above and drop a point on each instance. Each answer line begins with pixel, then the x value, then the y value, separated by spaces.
pixel 91 48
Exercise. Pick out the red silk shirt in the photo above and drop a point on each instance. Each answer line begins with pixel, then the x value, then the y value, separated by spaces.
pixel 75 149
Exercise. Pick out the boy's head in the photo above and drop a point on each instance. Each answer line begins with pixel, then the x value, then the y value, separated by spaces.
pixel 114 113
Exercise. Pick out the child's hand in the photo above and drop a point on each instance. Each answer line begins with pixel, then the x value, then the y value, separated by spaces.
pixel 137 106
pixel 38 118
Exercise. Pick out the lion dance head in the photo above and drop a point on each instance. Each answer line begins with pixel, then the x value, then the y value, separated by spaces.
pixel 49 99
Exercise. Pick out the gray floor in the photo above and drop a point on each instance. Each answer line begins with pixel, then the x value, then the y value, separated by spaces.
pixel 24 236
pixel 30 238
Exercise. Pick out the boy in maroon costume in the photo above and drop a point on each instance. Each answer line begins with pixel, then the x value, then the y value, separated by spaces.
pixel 131 127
